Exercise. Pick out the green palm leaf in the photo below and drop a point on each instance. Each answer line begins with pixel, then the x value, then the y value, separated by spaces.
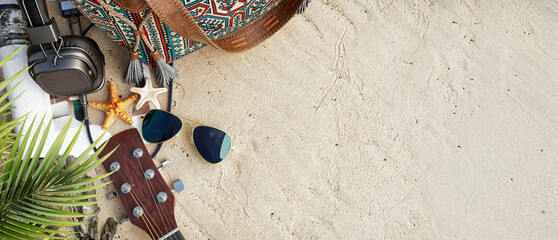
pixel 34 190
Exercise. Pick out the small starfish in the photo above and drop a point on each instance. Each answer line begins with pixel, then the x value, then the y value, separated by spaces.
pixel 115 107
pixel 148 94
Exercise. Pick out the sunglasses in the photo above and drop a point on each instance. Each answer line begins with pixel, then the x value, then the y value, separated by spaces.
pixel 212 144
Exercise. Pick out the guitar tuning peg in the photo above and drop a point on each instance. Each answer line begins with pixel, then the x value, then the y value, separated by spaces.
pixel 164 164
pixel 138 212
pixel 162 197
pixel 112 195
pixel 138 152
pixel 125 219
pixel 178 186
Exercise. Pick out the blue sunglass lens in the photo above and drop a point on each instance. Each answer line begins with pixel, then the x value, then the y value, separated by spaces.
pixel 212 144
pixel 159 126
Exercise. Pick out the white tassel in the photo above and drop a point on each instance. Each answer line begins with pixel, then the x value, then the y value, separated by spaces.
pixel 165 72
pixel 135 72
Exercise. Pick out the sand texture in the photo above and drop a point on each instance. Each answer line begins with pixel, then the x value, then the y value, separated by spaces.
pixel 370 120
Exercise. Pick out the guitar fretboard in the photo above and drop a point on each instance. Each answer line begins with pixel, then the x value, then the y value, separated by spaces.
pixel 173 235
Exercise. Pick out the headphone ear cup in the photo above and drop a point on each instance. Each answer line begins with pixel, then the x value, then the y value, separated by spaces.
pixel 92 49
pixel 86 44
pixel 80 70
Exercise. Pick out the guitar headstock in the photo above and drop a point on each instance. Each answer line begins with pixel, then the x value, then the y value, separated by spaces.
pixel 146 197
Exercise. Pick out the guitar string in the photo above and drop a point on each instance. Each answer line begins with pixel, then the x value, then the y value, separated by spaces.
pixel 164 210
pixel 168 216
pixel 150 187
pixel 164 217
pixel 151 235
pixel 157 203
pixel 141 204
pixel 152 221
pixel 153 198
pixel 147 225
pixel 176 234
pixel 180 237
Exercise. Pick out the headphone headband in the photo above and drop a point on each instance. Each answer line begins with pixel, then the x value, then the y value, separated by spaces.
pixel 41 28
pixel 36 12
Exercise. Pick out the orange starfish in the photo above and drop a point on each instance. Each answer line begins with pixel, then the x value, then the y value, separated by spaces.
pixel 115 107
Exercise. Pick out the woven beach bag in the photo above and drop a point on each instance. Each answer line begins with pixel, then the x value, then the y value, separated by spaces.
pixel 157 32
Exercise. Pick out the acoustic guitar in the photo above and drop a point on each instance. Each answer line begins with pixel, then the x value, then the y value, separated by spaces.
pixel 146 197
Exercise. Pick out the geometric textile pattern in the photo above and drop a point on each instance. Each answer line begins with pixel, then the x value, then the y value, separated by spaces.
pixel 172 45
pixel 215 17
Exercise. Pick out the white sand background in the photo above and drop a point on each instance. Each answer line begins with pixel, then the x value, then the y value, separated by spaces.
pixel 370 120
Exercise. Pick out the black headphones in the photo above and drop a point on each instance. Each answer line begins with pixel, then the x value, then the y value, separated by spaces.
pixel 61 65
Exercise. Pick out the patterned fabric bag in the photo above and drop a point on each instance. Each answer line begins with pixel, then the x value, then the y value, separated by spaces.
pixel 157 32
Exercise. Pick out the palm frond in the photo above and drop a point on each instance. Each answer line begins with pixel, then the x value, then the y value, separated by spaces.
pixel 34 191
pixel 30 226
pixel 35 233
pixel 48 211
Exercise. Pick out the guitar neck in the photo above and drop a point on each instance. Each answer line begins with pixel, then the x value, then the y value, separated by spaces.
pixel 173 235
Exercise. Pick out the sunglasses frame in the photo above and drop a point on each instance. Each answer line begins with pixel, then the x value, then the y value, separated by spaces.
pixel 191 123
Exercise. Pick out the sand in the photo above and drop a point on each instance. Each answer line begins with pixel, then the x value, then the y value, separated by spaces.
pixel 370 120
